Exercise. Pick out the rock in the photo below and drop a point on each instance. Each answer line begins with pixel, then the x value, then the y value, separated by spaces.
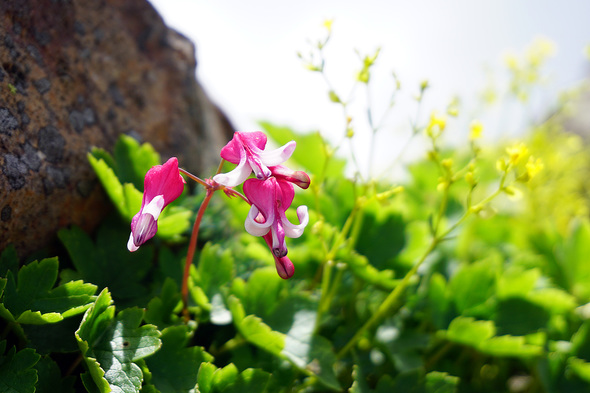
pixel 76 74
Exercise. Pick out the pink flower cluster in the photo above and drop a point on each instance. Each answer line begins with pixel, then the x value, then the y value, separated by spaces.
pixel 270 194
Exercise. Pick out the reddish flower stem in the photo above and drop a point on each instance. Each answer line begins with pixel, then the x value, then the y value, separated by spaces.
pixel 191 250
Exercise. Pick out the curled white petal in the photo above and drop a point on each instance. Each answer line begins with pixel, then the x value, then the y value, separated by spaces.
pixel 235 177
pixel 131 245
pixel 278 156
pixel 292 230
pixel 154 207
pixel 254 227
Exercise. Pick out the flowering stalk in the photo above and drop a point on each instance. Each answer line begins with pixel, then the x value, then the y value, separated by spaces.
pixel 269 194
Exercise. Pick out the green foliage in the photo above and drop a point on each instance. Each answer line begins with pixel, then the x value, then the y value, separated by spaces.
pixel 441 284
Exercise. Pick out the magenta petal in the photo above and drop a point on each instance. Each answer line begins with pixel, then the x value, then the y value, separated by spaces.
pixel 255 139
pixel 236 148
pixel 261 193
pixel 163 180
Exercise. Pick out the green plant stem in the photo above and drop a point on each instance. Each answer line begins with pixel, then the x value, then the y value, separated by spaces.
pixel 390 301
pixel 191 251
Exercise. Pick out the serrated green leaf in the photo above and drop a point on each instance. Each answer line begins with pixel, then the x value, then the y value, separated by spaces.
pixel 518 316
pixel 175 366
pixel 111 345
pixel 33 301
pixel 229 380
pixel 359 266
pixel 509 346
pixel 473 286
pixel 17 374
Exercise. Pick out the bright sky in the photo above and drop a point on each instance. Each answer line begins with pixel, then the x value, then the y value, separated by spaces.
pixel 246 54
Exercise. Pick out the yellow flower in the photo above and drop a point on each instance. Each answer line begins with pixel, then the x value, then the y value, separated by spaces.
pixel 328 24
pixel 516 153
pixel 533 167
pixel 437 122
pixel 475 129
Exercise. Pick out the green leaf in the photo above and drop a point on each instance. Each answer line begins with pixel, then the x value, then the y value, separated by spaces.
pixel 580 367
pixel 228 380
pixel 111 345
pixel 510 346
pixel 33 301
pixel 262 293
pixel 468 331
pixel 518 316
pixel 160 310
pixel 473 286
pixel 359 266
pixel 17 372
pixel 108 263
pixel 175 366
pixel 50 380
pixel 8 261
pixel 440 382
pixel 111 184
pixel 215 271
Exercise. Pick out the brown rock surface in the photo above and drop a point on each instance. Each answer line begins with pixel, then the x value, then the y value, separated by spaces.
pixel 76 74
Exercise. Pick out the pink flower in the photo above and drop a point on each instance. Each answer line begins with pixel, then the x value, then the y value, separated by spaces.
pixel 270 199
pixel 246 149
pixel 162 185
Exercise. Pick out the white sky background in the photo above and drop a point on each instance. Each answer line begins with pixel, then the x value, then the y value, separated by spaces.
pixel 246 55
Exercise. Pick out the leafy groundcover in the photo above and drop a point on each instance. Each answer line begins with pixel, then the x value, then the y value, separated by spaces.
pixel 498 303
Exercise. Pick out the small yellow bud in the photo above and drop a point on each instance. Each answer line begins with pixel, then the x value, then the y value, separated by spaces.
pixel 328 24
pixel 447 163
pixel 349 132
pixel 443 184
pixel 540 49
pixel 516 153
pixel 501 165
pixel 587 51
pixel 424 85
pixel 475 130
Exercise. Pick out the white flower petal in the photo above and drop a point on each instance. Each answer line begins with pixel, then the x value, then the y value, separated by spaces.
pixel 131 245
pixel 278 156
pixel 292 230
pixel 254 227
pixel 234 177
pixel 154 207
